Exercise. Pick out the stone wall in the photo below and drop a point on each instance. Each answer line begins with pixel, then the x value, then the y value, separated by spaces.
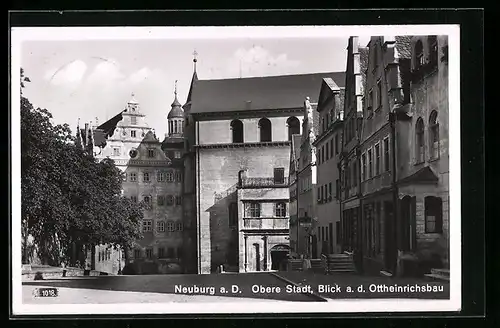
pixel 218 176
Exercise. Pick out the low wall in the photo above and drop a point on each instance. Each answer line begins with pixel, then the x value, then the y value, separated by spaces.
pixel 47 273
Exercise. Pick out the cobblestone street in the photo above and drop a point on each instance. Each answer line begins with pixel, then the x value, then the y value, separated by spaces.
pixel 162 288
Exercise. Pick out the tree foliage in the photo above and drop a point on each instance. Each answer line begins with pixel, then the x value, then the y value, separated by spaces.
pixel 68 198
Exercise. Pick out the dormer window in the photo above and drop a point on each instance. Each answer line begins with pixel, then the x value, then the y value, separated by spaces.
pixel 133 134
pixel 151 153
pixel 419 55
pixel 133 120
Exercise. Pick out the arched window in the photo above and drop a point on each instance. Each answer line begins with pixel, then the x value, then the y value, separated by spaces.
pixel 171 127
pixel 434 135
pixel 293 124
pixel 265 130
pixel 237 128
pixel 419 141
pixel 433 214
pixel 419 54
pixel 433 49
pixel 175 126
pixel 170 226
pixel 179 226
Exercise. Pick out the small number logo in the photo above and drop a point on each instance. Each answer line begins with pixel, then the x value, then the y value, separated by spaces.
pixel 46 292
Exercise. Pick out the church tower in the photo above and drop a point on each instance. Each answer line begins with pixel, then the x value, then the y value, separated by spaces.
pixel 175 118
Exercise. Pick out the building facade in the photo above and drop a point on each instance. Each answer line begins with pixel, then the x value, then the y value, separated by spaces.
pixel 328 144
pixel 386 84
pixel 153 174
pixel 349 162
pixel 293 186
pixel 239 144
pixel 423 177
pixel 307 175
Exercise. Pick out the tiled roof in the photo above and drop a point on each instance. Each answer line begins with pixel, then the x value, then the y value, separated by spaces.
pixel 424 175
pixel 109 126
pixel 259 93
pixel 403 46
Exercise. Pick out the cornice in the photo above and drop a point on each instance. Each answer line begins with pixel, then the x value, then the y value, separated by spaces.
pixel 246 145
pixel 248 113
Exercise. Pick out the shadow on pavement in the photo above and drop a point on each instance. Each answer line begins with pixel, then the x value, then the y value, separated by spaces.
pixel 363 286
pixel 228 285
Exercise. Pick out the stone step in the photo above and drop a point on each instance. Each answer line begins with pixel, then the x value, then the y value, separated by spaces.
pixel 441 272
pixel 437 277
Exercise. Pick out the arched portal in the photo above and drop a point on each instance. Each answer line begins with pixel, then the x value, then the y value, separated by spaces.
pixel 279 255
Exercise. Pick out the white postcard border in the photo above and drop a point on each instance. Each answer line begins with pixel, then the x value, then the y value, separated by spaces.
pixel 22 34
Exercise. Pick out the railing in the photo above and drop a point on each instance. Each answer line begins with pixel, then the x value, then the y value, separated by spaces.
pixel 273 223
pixel 264 182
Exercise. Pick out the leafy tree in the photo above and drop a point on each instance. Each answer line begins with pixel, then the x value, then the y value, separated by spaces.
pixel 69 200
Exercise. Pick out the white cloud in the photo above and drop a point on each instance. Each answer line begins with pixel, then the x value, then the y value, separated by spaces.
pixel 68 74
pixel 106 71
pixel 140 76
pixel 257 61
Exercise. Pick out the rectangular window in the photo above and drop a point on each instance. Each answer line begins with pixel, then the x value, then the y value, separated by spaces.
pixel 177 154
pixel 355 174
pixel 279 175
pixel 151 153
pixel 146 177
pixel 253 210
pixel 370 101
pixel 337 188
pixel 161 252
pixel 319 194
pixel 171 252
pixel 137 253
pixel 147 225
pixel 319 233
pixel 170 226
pixel 132 133
pixel 327 151
pixel 170 200
pixel 331 148
pixel 379 94
pixel 178 200
pixel 133 120
pixel 370 164
pixel 280 209
pixel 161 200
pixel 178 176
pixel 170 177
pixel 336 144
pixel 386 155
pixel 116 151
pixel 323 233
pixel 160 176
pixel 330 191
pixel 326 233
pixel 160 226
pixel 134 198
pixel 337 232
pixel 363 167
pixel 133 176
pixel 377 159
pixel 149 253
pixel 433 214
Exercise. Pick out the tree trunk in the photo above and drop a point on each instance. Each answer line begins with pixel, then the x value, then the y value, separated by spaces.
pixel 92 257
pixel 127 257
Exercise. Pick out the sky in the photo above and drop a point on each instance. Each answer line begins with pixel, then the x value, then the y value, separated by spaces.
pixel 94 79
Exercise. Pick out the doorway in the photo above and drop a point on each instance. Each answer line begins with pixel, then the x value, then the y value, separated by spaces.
pixel 390 239
pixel 279 256
pixel 257 257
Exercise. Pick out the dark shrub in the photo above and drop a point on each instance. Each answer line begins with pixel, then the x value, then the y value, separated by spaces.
pixel 38 276
pixel 129 269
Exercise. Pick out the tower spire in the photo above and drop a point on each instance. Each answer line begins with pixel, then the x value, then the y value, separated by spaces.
pixel 175 90
pixel 195 60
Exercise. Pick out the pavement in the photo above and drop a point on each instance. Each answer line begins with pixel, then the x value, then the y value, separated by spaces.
pixel 292 286
pixel 336 286
pixel 244 287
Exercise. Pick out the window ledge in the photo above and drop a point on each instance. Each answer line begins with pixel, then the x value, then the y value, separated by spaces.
pixel 419 163
pixel 434 159
pixel 379 107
